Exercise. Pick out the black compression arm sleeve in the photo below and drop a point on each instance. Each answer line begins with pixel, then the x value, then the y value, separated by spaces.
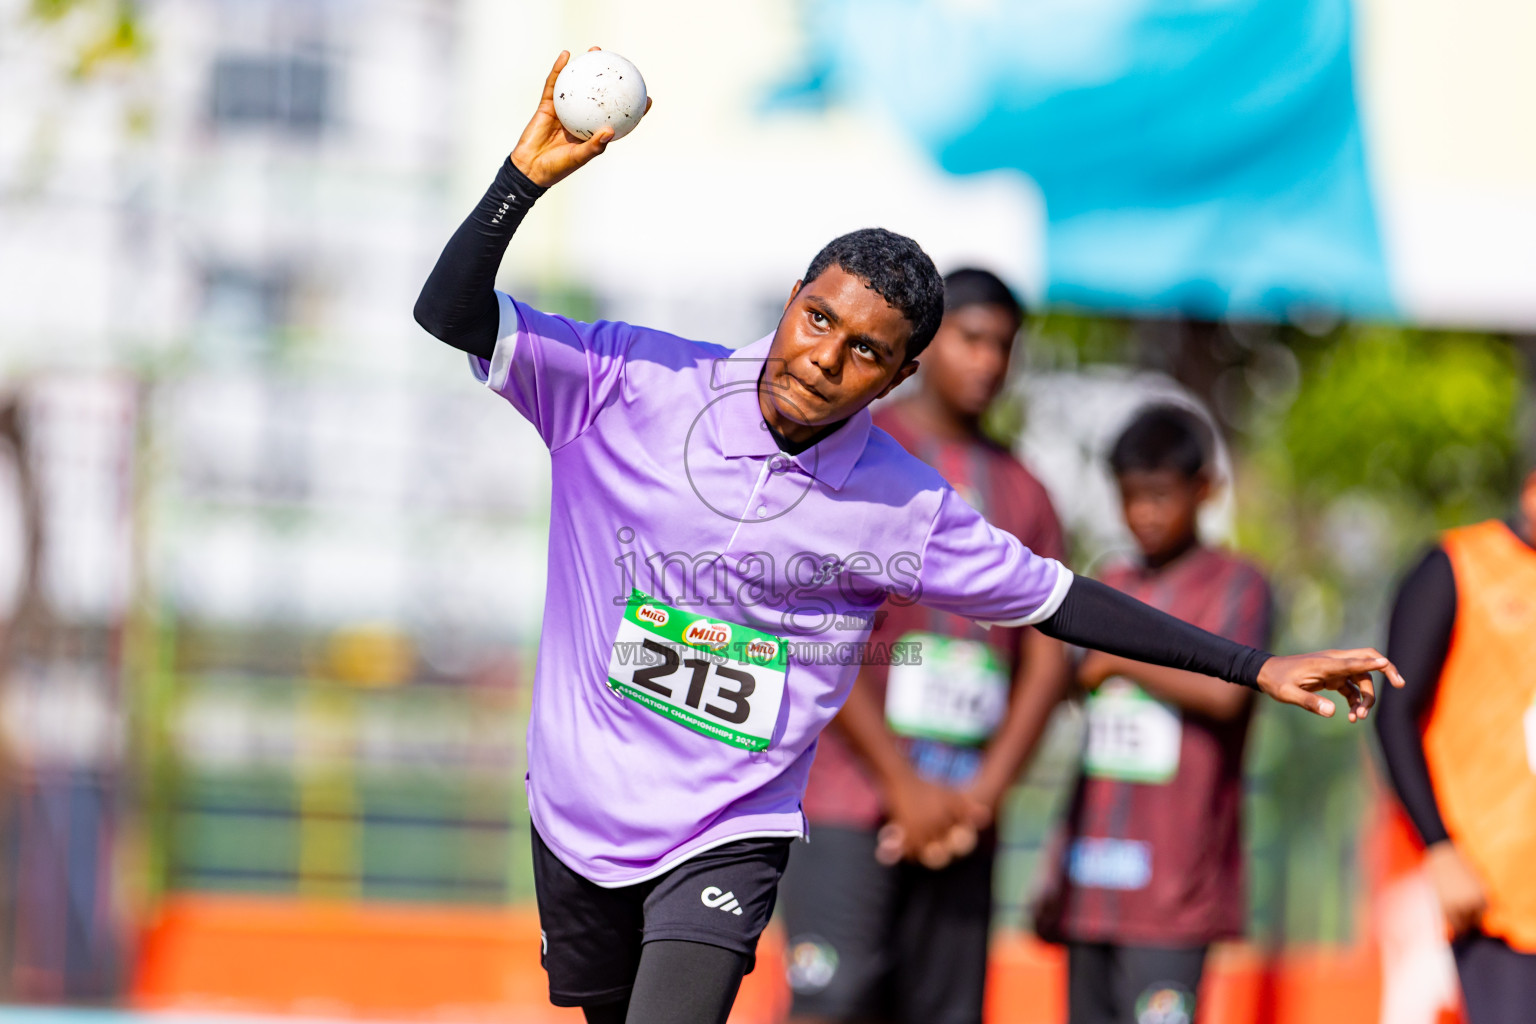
pixel 1099 616
pixel 1418 639
pixel 458 302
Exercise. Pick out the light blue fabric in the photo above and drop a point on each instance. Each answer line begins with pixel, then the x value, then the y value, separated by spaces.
pixel 1196 156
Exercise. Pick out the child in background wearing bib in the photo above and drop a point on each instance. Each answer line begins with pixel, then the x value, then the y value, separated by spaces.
pixel 1147 870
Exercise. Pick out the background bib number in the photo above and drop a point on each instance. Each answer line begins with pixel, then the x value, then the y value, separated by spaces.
pixel 721 679
pixel 957 693
pixel 1132 736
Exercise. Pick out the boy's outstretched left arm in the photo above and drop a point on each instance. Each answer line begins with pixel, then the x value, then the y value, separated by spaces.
pixel 1097 616
pixel 970 567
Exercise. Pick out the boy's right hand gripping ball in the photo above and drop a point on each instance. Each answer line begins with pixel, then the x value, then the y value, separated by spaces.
pixel 597 89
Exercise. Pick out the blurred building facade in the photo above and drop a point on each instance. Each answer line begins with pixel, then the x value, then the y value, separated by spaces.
pixel 282 562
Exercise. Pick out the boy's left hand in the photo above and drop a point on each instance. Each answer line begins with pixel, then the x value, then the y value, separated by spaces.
pixel 1297 678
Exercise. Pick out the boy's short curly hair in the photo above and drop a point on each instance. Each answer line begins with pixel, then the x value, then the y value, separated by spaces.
pixel 1163 436
pixel 899 272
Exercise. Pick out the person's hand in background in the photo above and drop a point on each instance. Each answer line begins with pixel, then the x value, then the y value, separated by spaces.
pixel 1460 891
pixel 929 823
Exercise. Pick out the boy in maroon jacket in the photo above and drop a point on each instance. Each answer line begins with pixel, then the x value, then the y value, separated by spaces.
pixel 1149 870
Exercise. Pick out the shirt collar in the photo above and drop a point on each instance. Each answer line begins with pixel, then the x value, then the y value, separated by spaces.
pixel 744 434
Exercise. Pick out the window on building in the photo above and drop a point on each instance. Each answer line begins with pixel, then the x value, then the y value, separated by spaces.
pixel 288 92
pixel 246 302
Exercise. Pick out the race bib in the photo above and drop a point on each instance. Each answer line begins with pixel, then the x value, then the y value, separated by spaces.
pixel 718 678
pixel 957 692
pixel 1132 736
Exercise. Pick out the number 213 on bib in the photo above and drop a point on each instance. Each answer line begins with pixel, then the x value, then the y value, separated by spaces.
pixel 718 678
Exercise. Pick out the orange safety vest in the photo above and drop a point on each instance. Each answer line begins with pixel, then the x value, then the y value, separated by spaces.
pixel 1480 734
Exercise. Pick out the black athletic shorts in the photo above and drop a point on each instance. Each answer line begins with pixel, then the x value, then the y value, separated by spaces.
pixel 898 943
pixel 1111 984
pixel 1498 984
pixel 592 935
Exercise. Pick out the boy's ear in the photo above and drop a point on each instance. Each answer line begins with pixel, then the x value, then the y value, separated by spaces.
pixel 907 369
pixel 792 293
pixel 1203 486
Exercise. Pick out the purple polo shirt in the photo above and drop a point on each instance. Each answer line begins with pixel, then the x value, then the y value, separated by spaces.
pixel 666 479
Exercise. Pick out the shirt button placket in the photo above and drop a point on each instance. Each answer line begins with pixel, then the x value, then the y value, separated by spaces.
pixel 756 504
pixel 786 486
pixel 778 470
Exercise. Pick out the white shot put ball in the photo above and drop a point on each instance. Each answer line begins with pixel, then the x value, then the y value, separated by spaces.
pixel 599 88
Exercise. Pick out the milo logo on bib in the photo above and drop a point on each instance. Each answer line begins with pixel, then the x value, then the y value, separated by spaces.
pixel 650 613
pixel 763 650
pixel 703 633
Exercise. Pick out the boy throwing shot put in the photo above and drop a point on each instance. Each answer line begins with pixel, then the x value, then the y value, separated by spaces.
pixel 918 745
pixel 724 524
pixel 1150 868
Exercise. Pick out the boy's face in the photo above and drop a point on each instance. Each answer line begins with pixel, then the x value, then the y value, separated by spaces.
pixel 839 346
pixel 967 362
pixel 1161 507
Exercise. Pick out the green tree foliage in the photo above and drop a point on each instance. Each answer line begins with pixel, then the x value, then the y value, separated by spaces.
pixel 101 33
pixel 1391 434
pixel 1418 417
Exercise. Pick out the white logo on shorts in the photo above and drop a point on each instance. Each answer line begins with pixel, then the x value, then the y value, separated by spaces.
pixel 713 898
